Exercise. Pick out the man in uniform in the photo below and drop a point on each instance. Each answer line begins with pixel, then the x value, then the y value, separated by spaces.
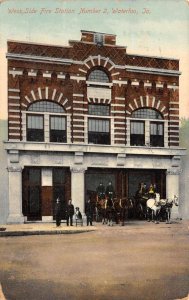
pixel 152 191
pixel 110 190
pixel 144 191
pixel 89 212
pixel 58 212
pixel 100 191
pixel 69 213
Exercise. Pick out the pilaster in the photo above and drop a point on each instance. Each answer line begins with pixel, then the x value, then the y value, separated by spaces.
pixel 15 195
pixel 77 187
pixel 172 188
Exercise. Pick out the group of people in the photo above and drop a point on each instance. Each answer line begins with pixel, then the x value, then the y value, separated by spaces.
pixel 70 212
pixel 102 192
pixel 146 192
pixel 89 208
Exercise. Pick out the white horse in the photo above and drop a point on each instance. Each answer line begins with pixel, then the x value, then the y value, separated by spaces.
pixel 153 208
pixel 166 207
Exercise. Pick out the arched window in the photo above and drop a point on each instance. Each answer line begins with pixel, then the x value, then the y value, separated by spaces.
pixel 45 122
pixel 98 76
pixel 146 113
pixel 147 128
pixel 46 106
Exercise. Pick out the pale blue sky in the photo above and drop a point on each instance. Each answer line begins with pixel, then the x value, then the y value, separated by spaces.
pixel 162 32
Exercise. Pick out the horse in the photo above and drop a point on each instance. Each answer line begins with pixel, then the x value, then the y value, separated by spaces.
pixel 153 208
pixel 166 207
pixel 122 206
pixel 101 209
pixel 140 207
pixel 109 209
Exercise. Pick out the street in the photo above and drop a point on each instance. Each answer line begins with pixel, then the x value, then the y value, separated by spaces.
pixel 140 261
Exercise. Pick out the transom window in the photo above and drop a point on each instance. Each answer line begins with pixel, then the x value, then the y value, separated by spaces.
pixel 146 113
pixel 99 110
pixel 46 106
pixel 98 76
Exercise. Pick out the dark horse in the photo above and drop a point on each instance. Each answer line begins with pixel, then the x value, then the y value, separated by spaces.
pixel 101 210
pixel 109 209
pixel 122 207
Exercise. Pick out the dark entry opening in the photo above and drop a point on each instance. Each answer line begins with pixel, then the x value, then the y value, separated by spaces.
pixel 125 182
pixel 32 193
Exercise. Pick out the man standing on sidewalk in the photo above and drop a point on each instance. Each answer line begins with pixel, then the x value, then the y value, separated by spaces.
pixel 69 213
pixel 89 212
pixel 58 212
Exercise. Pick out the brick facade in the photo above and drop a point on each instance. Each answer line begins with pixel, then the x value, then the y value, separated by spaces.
pixel 48 75
pixel 59 74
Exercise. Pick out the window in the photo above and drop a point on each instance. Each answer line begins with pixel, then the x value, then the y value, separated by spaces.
pixel 137 133
pixel 35 128
pixel 99 110
pixel 46 106
pixel 58 129
pixel 98 76
pixel 154 124
pixel 156 134
pixel 98 38
pixel 99 131
pixel 146 113
pixel 48 115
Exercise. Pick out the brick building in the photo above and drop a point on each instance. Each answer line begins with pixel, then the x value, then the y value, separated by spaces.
pixel 88 113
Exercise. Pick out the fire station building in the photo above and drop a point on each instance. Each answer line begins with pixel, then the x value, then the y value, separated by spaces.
pixel 88 113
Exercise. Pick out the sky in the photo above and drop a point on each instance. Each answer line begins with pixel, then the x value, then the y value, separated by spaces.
pixel 146 27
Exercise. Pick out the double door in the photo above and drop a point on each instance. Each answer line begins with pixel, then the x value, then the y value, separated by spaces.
pixel 39 200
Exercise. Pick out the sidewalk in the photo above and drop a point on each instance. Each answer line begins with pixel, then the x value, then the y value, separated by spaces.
pixel 41 229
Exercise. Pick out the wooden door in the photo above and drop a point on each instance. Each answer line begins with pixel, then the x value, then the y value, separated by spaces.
pixel 47 200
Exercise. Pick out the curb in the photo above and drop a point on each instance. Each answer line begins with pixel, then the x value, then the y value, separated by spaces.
pixel 41 232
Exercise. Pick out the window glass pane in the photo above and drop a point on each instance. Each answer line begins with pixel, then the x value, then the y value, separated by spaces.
pixel 58 176
pixel 99 131
pixel 137 127
pixel 35 122
pixel 98 76
pixel 58 123
pixel 99 110
pixel 99 125
pixel 34 176
pixel 157 134
pixel 98 38
pixel 58 129
pixel 156 128
pixel 35 130
pixel 46 106
pixel 146 113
